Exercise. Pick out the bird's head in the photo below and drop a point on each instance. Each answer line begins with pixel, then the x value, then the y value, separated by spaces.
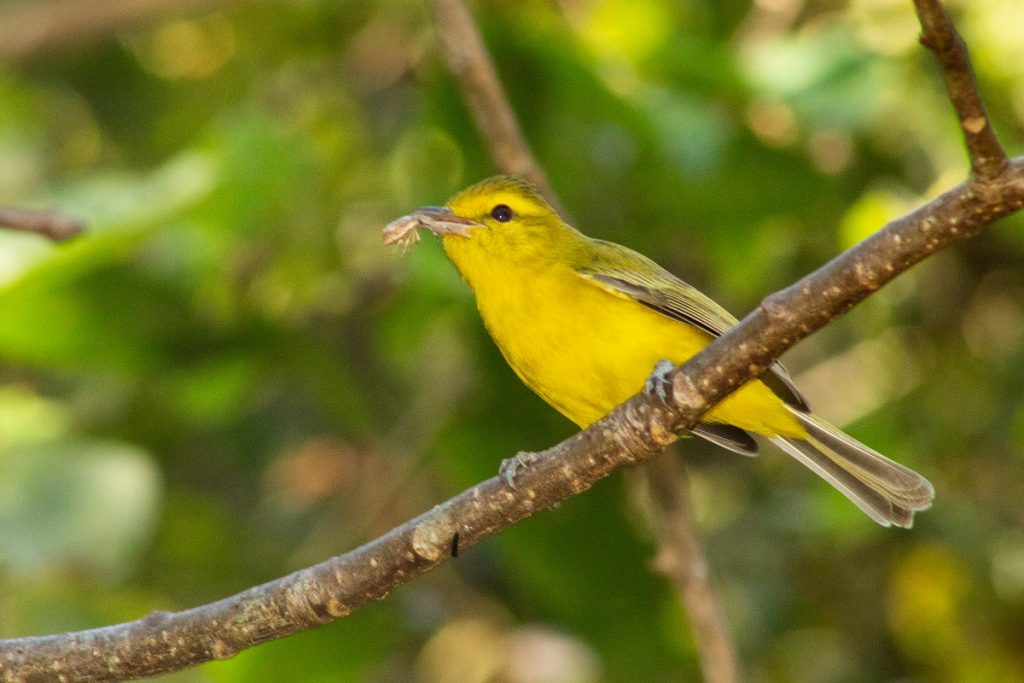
pixel 501 217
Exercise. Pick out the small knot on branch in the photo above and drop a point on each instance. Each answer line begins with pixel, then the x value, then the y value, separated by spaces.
pixel 431 538
pixel 974 124
pixel 220 649
pixel 684 391
pixel 776 308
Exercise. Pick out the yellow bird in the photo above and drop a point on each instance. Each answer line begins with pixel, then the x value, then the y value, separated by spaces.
pixel 583 321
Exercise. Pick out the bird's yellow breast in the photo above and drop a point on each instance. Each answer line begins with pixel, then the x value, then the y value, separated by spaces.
pixel 585 350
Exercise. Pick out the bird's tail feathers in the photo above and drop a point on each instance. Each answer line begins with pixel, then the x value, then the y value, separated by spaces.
pixel 887 491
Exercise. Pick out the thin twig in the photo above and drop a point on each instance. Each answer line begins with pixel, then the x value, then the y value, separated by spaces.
pixel 471 64
pixel 31 27
pixel 57 226
pixel 682 560
pixel 988 159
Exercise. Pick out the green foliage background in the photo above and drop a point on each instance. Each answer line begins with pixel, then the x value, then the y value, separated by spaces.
pixel 230 377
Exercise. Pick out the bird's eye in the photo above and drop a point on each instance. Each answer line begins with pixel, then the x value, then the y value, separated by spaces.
pixel 501 213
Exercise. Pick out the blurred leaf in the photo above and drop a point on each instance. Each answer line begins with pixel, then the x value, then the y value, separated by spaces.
pixel 82 504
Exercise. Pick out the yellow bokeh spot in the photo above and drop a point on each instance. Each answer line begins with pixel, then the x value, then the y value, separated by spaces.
pixel 992 29
pixel 191 49
pixel 868 214
pixel 928 587
pixel 888 27
pixel 631 29
pixel 476 644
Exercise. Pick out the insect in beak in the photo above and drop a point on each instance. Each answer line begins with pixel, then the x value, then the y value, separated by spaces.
pixel 437 219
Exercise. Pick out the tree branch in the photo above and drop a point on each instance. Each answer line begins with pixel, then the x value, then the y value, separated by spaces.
pixel 681 559
pixel 789 315
pixel 939 35
pixel 57 226
pixel 30 28
pixel 634 432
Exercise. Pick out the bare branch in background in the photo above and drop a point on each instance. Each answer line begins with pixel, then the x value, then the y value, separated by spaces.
pixel 939 35
pixel 634 432
pixel 681 559
pixel 30 27
pixel 52 224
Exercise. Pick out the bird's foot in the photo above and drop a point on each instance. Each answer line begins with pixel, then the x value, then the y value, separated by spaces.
pixel 658 384
pixel 510 467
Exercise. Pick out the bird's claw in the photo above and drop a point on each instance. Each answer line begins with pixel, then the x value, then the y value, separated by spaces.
pixel 658 384
pixel 510 467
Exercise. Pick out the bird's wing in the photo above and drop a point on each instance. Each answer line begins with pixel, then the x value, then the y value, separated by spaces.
pixel 624 272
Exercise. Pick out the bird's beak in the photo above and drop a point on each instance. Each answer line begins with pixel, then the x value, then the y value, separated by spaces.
pixel 437 219
pixel 441 221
